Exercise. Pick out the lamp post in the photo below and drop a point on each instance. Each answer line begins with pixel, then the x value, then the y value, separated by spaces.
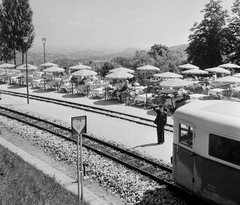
pixel 44 42
pixel 25 40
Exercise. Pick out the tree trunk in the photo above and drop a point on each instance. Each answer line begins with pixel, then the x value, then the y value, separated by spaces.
pixel 22 57
pixel 14 56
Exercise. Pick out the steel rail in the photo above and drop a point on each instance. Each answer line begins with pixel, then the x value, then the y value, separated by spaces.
pixel 89 108
pixel 144 169
pixel 118 154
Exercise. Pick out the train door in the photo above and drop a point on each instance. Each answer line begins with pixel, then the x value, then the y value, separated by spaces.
pixel 184 155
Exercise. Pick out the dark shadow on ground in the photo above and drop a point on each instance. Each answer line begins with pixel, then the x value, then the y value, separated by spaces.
pixel 138 106
pixel 70 95
pixel 151 112
pixel 16 86
pixel 168 195
pixel 107 102
pixel 147 145
pixel 43 91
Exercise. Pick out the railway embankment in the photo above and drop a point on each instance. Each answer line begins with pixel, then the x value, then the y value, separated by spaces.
pixel 26 179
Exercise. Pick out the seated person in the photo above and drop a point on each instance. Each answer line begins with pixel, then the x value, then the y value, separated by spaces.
pixel 124 88
pixel 83 81
pixel 136 83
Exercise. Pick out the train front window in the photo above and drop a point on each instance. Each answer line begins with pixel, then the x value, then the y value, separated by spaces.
pixel 224 148
pixel 186 135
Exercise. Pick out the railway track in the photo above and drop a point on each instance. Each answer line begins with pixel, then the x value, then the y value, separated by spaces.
pixel 88 108
pixel 134 161
pixel 131 159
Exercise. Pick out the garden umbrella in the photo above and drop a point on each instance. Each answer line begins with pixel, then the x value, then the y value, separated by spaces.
pixel 119 75
pixel 229 65
pixel 53 69
pixel 79 67
pixel 195 71
pixel 188 66
pixel 236 89
pixel 237 75
pixel 29 66
pixel 148 68
pixel 122 69
pixel 168 75
pixel 227 79
pixel 218 70
pixel 176 83
pixel 7 66
pixel 84 73
pixel 48 64
pixel 167 91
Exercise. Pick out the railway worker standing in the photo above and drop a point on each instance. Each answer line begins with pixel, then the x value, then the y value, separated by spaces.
pixel 160 121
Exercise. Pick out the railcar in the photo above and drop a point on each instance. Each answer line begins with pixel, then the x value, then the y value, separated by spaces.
pixel 206 150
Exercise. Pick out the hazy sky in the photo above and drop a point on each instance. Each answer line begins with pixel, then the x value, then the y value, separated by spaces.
pixel 107 24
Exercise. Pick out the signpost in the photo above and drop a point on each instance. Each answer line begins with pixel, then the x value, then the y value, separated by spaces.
pixel 79 126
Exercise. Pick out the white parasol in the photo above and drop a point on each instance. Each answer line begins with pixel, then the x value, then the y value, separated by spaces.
pixel 218 70
pixel 119 75
pixel 29 67
pixel 195 71
pixel 122 69
pixel 79 67
pixel 53 69
pixel 168 75
pixel 236 89
pixel 176 83
pixel 227 79
pixel 7 66
pixel 84 73
pixel 148 68
pixel 188 66
pixel 237 75
pixel 48 64
pixel 229 65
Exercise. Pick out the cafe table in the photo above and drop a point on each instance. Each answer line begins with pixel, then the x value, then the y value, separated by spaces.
pixel 142 97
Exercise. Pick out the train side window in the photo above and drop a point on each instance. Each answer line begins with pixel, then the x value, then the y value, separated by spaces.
pixel 185 135
pixel 224 148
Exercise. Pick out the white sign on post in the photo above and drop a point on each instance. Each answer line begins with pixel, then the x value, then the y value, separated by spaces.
pixel 79 126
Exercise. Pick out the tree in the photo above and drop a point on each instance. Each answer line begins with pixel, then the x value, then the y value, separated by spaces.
pixel 105 69
pixel 205 42
pixel 122 61
pixel 232 35
pixel 165 59
pixel 6 54
pixel 236 8
pixel 158 50
pixel 141 58
pixel 16 22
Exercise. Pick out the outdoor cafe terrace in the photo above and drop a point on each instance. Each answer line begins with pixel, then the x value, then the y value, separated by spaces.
pixel 146 87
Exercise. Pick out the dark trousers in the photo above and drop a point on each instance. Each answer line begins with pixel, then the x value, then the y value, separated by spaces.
pixel 160 134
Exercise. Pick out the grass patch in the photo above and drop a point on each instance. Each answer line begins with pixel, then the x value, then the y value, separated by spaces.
pixel 22 184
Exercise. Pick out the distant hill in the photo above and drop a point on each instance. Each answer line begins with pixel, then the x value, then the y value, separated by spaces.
pixel 36 58
pixel 131 51
pixel 180 48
